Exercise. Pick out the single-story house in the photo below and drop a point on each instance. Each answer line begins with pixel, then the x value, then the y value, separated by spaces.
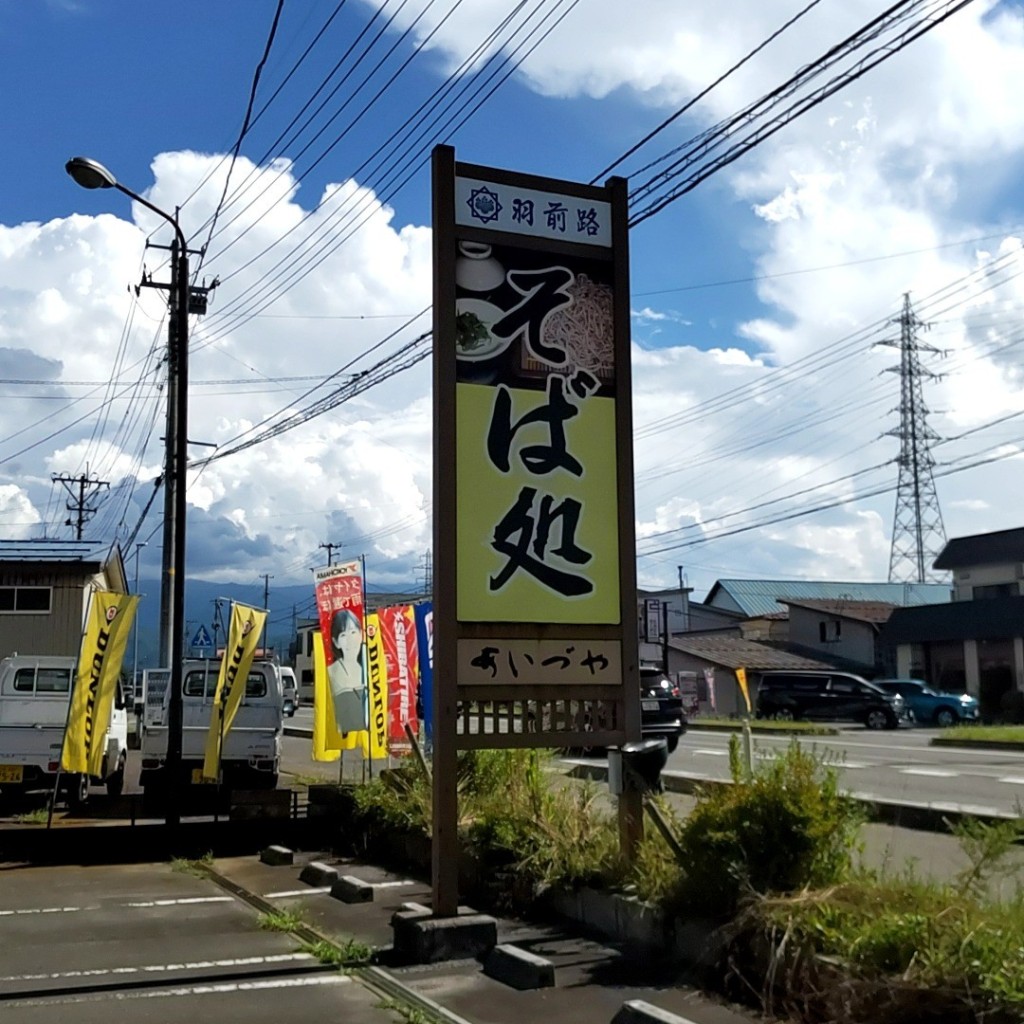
pixel 44 592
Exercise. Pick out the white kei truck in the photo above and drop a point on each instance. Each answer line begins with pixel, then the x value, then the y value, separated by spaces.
pixel 34 695
pixel 251 752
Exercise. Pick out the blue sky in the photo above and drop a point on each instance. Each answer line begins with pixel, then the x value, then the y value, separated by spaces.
pixel 769 284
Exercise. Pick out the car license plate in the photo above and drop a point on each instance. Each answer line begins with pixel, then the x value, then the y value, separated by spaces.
pixel 198 780
pixel 11 773
pixel 649 705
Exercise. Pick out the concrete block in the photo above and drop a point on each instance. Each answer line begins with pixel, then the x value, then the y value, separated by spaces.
pixel 519 968
pixel 422 939
pixel 349 889
pixel 636 1011
pixel 317 873
pixel 258 804
pixel 277 856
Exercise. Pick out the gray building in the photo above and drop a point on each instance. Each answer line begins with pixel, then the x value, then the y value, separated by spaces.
pixel 44 592
pixel 976 643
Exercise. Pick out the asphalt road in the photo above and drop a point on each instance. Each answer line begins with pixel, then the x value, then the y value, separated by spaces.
pixel 85 945
pixel 898 766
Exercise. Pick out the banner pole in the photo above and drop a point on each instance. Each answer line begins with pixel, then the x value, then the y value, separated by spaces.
pixel 72 680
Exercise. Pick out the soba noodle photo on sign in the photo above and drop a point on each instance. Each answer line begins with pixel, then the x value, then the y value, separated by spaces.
pixel 585 328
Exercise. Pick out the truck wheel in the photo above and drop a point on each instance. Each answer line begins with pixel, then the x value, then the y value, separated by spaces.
pixel 115 782
pixel 78 792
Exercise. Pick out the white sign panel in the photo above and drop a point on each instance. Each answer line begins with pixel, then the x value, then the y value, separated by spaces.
pixel 526 211
pixel 507 662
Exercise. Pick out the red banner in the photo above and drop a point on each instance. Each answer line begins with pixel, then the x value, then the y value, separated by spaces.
pixel 340 604
pixel 398 631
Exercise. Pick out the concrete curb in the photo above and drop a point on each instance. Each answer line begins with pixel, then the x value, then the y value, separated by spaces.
pixel 519 968
pixel 942 741
pixel 924 817
pixel 636 1011
pixel 693 725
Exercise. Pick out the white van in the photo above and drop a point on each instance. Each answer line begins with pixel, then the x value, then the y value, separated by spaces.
pixel 251 754
pixel 34 696
pixel 290 687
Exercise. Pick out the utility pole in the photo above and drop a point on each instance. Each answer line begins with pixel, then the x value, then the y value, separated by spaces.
pixel 183 299
pixel 330 547
pixel 78 504
pixel 266 604
pixel 918 534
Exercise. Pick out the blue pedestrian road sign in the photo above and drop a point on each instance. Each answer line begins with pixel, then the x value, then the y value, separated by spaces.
pixel 202 641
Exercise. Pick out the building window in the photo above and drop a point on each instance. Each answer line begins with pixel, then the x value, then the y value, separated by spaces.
pixel 830 631
pixel 25 599
pixel 992 590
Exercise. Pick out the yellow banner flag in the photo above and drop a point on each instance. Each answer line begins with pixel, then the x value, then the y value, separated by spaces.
pixel 327 741
pixel 243 636
pixel 108 623
pixel 375 742
pixel 741 678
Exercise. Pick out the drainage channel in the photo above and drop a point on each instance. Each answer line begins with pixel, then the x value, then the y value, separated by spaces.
pixel 377 979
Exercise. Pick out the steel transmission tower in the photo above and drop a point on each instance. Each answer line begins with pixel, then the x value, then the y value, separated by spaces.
pixel 917 534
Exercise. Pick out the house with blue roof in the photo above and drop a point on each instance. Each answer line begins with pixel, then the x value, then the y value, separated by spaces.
pixel 44 592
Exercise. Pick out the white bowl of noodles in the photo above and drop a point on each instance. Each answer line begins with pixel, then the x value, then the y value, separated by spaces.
pixel 474 319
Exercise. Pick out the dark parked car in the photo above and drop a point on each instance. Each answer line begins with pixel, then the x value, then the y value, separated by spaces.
pixel 828 696
pixel 929 707
pixel 661 707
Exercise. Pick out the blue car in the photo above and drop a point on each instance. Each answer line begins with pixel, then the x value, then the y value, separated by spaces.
pixel 929 707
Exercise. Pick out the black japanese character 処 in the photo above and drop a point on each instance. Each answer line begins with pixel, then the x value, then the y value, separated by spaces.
pixel 537 458
pixel 523 540
pixel 543 291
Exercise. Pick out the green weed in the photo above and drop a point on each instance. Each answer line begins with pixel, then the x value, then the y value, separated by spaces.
pixel 349 953
pixel 281 921
pixel 193 866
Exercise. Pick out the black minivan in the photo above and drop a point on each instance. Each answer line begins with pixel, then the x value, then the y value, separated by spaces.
pixel 828 696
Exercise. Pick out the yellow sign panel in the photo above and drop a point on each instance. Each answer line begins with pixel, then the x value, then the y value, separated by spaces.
pixel 536 546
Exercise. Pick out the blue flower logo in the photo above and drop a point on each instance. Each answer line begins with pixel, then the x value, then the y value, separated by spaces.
pixel 484 205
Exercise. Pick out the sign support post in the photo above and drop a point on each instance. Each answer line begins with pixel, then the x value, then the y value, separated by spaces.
pixel 535 641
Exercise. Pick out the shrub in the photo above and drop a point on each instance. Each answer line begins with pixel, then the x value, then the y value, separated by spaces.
pixel 784 828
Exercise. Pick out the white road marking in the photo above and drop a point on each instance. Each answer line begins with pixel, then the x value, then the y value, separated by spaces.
pixel 194 965
pixel 388 885
pixel 186 901
pixel 44 910
pixel 1013 780
pixel 936 773
pixel 192 990
pixel 710 753
pixel 310 890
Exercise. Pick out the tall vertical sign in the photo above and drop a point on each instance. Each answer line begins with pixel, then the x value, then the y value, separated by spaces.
pixel 534 593
pixel 340 608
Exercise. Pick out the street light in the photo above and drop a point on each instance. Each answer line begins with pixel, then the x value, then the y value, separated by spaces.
pixel 90 174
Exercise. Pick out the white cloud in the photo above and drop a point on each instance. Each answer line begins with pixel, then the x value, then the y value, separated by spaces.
pixel 918 157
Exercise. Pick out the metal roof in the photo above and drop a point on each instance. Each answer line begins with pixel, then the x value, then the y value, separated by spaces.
pixel 983 549
pixel 760 597
pixel 734 652
pixel 874 612
pixel 54 551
